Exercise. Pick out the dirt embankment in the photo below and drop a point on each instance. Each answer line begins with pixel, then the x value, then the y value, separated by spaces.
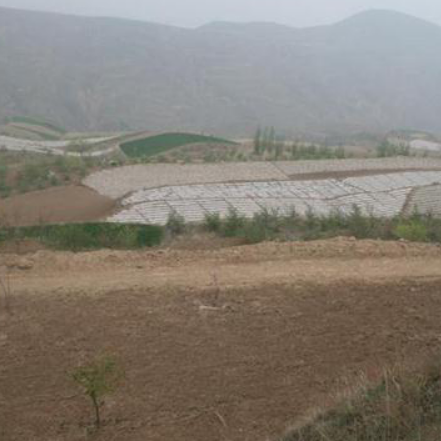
pixel 230 344
pixel 55 205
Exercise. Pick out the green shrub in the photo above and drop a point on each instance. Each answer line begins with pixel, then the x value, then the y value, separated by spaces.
pixel 253 232
pixel 269 220
pixel 414 231
pixel 213 222
pixel 175 223
pixel 311 219
pixel 98 379
pixel 233 223
pixel 358 224
pixel 387 149
pixel 77 237
pixel 335 221
pixel 402 406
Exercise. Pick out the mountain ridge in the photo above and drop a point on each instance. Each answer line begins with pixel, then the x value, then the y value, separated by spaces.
pixel 97 73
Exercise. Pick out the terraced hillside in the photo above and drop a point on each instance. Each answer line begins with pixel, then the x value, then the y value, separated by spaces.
pixel 120 181
pixel 379 187
pixel 382 195
pixel 58 147
pixel 157 144
pixel 425 200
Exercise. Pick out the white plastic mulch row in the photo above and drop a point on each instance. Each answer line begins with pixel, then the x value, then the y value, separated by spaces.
pixel 52 147
pixel 425 200
pixel 383 195
pixel 121 181
pixel 341 165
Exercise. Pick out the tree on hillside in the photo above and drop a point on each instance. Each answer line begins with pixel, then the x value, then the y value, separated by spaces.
pixel 264 140
pixel 258 141
pixel 279 147
pixel 271 139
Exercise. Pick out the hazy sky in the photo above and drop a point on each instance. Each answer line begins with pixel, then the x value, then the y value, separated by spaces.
pixel 196 12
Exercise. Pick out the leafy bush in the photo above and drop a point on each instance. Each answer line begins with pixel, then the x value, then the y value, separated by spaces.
pixel 35 173
pixel 386 149
pixel 358 224
pixel 269 225
pixel 336 220
pixel 255 233
pixel 97 379
pixel 213 222
pixel 175 223
pixel 233 223
pixel 414 231
pixel 268 219
pixel 402 406
pixel 76 237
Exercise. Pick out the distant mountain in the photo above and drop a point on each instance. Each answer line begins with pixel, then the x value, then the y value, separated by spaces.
pixel 376 71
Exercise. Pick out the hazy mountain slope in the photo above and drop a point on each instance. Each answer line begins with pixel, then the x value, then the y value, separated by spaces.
pixel 378 70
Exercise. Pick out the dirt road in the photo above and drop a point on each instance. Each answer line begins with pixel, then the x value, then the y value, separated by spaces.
pixel 320 262
pixel 227 344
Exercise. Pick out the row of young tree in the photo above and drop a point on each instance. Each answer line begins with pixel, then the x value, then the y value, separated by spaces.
pixel 267 141
pixel 387 149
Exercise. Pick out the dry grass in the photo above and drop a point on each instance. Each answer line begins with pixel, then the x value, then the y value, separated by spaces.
pixel 404 405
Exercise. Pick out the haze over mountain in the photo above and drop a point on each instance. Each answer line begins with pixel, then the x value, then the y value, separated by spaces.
pixel 376 71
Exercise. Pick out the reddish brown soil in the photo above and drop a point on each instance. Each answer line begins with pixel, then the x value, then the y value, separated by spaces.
pixel 353 174
pixel 55 205
pixel 233 344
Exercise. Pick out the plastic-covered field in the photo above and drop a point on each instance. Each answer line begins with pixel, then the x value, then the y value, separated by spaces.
pixel 425 200
pixel 382 195
pixel 118 182
pixel 45 147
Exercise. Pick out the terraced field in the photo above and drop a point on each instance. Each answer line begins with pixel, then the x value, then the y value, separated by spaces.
pixel 379 187
pixel 382 196
pixel 118 182
pixel 425 200
pixel 133 145
pixel 157 144
pixel 51 147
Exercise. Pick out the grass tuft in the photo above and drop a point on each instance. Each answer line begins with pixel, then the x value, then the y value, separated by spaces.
pixel 402 406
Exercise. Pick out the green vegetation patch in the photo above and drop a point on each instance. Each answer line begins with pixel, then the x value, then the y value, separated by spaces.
pixel 88 236
pixel 401 407
pixel 35 122
pixel 271 225
pixel 24 172
pixel 46 136
pixel 154 145
pixel 269 145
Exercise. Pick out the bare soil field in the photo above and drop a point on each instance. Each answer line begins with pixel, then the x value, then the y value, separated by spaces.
pixel 120 181
pixel 227 344
pixel 55 205
pixel 354 174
